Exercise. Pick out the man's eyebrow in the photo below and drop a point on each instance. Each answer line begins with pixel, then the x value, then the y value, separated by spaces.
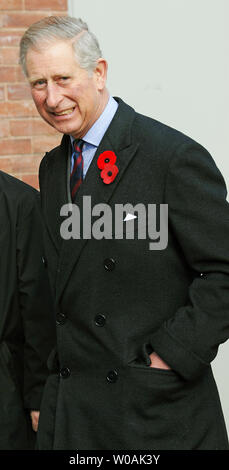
pixel 59 75
pixel 55 77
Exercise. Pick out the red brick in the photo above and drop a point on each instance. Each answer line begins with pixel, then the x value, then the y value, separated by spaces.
pixel 10 38
pixel 18 109
pixel 8 74
pixel 11 74
pixel 31 179
pixel 46 5
pixel 15 146
pixel 11 5
pixel 19 92
pixel 20 164
pixel 9 55
pixel 4 128
pixel 24 135
pixel 21 20
pixel 30 127
pixel 2 93
pixel 46 143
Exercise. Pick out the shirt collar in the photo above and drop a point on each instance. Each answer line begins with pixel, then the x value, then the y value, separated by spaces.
pixel 97 131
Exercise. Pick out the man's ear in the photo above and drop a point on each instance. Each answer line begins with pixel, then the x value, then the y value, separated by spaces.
pixel 100 73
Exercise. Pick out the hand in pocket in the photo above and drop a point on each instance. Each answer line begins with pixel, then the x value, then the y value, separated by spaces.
pixel 157 362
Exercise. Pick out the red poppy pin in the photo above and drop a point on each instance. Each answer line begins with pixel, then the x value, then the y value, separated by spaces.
pixel 106 163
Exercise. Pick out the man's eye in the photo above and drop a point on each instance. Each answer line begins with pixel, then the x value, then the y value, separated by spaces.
pixel 39 84
pixel 64 79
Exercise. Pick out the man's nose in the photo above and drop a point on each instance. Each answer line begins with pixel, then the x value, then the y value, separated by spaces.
pixel 53 97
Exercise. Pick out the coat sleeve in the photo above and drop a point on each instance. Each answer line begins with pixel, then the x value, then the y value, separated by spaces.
pixel 36 304
pixel 199 219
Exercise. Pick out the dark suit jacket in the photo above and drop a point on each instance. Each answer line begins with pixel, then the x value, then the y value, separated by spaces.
pixel 27 326
pixel 117 300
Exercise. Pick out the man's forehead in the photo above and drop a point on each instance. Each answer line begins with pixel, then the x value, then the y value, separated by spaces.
pixel 54 60
pixel 62 50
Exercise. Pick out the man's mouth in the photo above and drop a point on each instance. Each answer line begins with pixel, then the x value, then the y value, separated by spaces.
pixel 65 111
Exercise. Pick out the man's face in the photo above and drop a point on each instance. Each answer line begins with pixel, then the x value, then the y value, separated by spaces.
pixel 65 95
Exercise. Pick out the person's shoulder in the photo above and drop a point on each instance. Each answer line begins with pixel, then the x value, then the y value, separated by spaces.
pixel 50 156
pixel 153 136
pixel 12 186
pixel 18 195
pixel 158 133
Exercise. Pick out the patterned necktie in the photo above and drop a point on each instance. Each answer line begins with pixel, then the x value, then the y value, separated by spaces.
pixel 77 170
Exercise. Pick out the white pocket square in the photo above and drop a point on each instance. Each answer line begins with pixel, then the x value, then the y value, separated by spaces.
pixel 129 217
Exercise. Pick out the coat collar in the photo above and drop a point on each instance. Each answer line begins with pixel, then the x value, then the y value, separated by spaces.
pixel 117 138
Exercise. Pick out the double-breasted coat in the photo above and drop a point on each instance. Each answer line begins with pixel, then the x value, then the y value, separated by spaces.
pixel 27 326
pixel 117 301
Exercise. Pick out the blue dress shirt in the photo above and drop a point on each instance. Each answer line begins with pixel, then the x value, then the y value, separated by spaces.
pixel 95 134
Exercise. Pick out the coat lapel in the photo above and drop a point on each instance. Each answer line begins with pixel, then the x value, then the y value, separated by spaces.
pixel 56 190
pixel 118 139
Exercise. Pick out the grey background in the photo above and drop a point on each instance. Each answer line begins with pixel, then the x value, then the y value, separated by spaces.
pixel 169 60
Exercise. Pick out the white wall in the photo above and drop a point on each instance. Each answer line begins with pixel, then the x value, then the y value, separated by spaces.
pixel 169 60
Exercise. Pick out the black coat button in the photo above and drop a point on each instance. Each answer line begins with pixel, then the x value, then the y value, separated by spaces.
pixel 112 376
pixel 44 261
pixel 61 318
pixel 109 264
pixel 100 320
pixel 65 372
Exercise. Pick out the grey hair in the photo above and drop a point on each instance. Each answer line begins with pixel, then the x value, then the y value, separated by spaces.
pixel 52 28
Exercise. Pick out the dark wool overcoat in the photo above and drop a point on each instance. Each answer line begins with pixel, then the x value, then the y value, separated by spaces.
pixel 117 300
pixel 27 327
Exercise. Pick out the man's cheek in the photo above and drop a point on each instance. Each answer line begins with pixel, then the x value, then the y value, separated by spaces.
pixel 38 98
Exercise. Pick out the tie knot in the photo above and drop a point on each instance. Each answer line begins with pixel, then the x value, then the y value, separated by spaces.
pixel 78 145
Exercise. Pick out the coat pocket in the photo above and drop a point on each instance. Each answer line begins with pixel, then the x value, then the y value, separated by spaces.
pixel 144 362
pixel 156 408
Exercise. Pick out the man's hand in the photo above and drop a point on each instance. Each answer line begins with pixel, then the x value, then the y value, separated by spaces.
pixel 157 362
pixel 35 419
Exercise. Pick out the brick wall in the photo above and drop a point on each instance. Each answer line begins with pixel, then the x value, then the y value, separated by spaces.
pixel 24 136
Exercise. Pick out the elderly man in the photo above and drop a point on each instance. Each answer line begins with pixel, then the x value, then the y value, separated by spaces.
pixel 27 327
pixel 137 325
